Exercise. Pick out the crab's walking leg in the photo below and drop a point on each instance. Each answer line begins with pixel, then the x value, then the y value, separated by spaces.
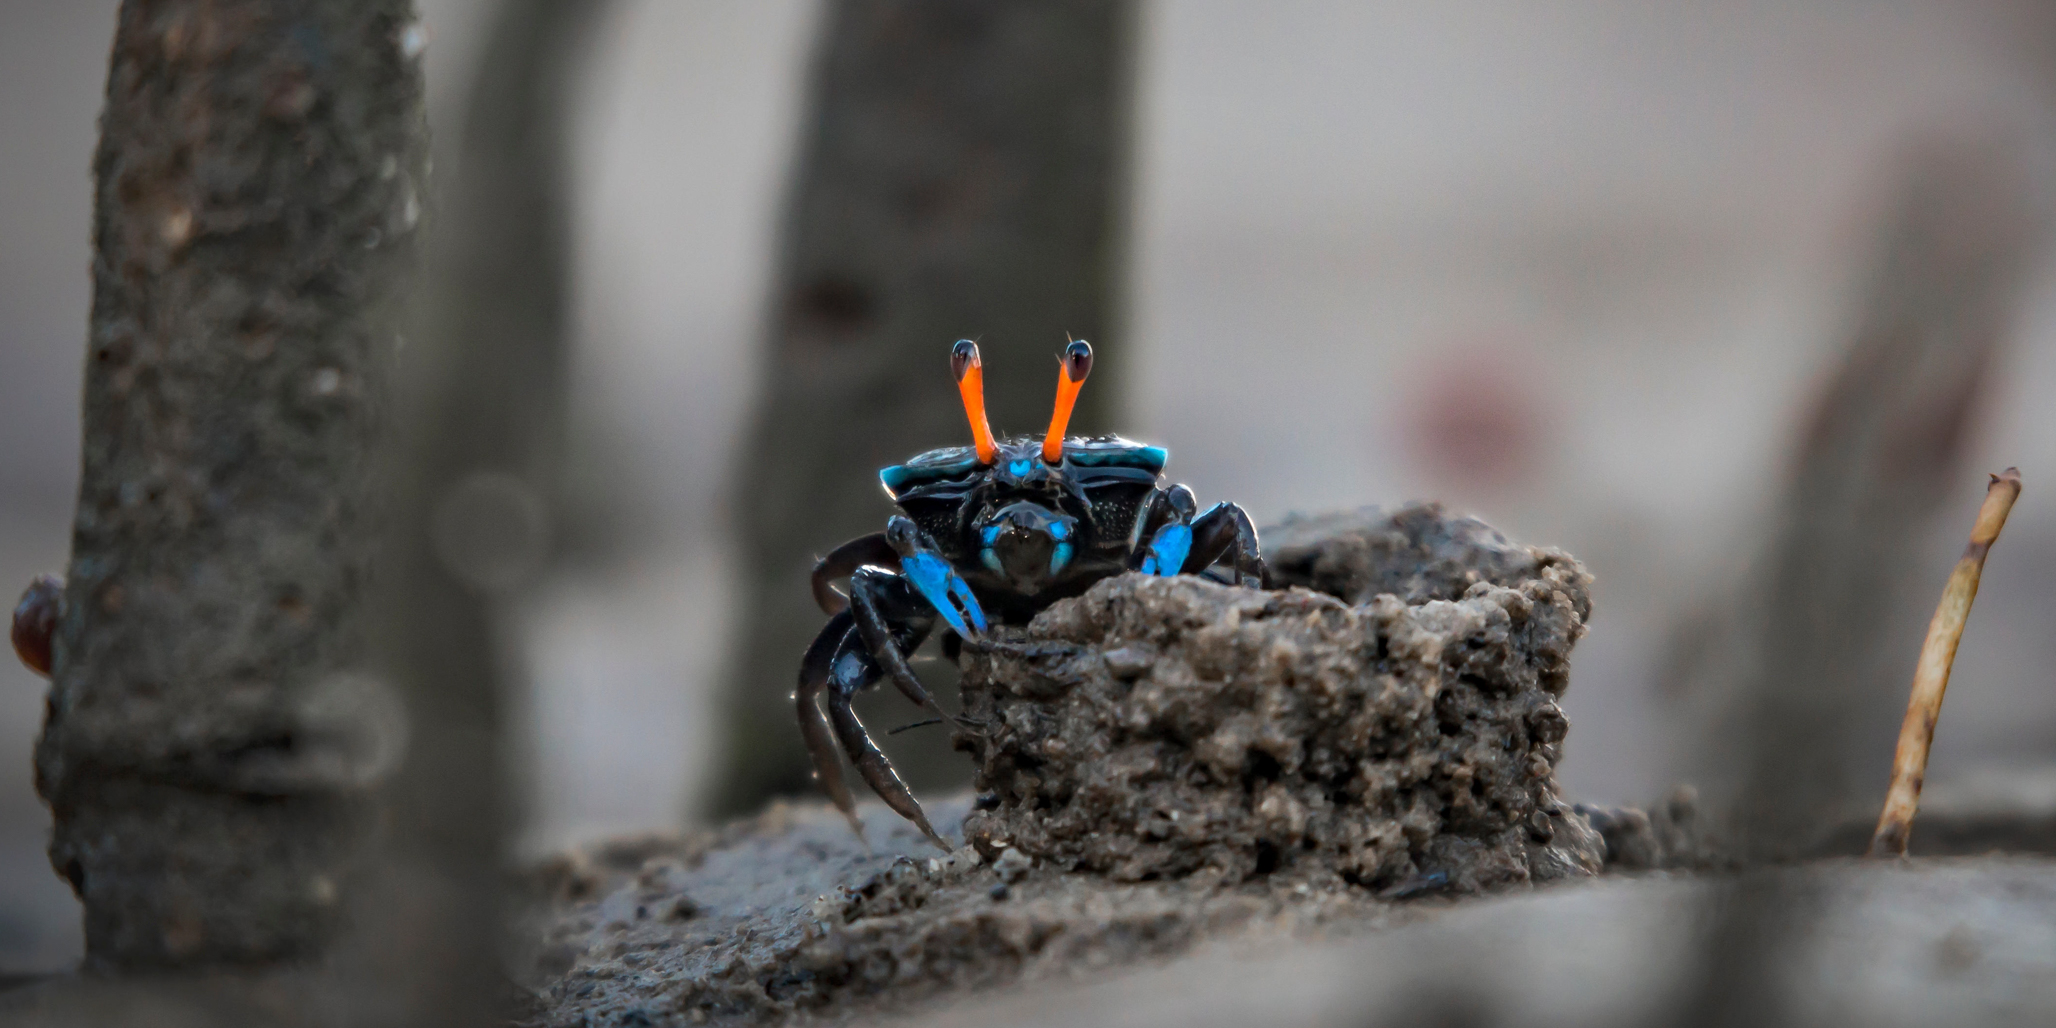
pixel 1226 531
pixel 843 562
pixel 1171 533
pixel 852 669
pixel 879 600
pixel 815 669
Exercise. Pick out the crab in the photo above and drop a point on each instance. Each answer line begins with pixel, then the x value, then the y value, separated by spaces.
pixel 990 534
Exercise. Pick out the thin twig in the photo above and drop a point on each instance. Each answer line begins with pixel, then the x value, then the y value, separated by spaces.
pixel 1931 676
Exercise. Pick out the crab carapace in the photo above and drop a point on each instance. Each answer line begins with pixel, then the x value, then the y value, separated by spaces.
pixel 987 534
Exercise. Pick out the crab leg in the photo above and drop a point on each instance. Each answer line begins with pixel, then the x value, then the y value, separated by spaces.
pixel 853 669
pixel 815 669
pixel 1171 537
pixel 869 593
pixel 843 561
pixel 1226 531
pixel 944 590
pixel 1168 550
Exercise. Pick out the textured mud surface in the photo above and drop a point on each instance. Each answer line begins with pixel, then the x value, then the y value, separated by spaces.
pixel 789 916
pixel 1164 761
pixel 1157 728
pixel 1416 553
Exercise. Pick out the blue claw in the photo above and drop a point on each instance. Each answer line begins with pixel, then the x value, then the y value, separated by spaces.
pixel 962 591
pixel 938 583
pixel 1167 551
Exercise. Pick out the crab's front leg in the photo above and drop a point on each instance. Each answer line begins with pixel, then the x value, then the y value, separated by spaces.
pixel 893 620
pixel 851 669
pixel 934 578
pixel 1188 544
pixel 816 670
pixel 888 616
pixel 1171 544
pixel 1225 531
pixel 846 659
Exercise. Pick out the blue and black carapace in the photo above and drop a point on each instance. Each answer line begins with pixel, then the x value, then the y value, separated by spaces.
pixel 992 533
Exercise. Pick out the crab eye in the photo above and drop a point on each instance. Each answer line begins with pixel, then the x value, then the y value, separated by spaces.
pixel 964 364
pixel 1078 360
pixel 902 536
pixel 964 356
pixel 1076 363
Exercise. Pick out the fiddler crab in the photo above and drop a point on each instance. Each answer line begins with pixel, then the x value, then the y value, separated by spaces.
pixel 987 534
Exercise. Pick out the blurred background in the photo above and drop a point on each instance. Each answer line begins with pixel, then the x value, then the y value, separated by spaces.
pixel 1592 271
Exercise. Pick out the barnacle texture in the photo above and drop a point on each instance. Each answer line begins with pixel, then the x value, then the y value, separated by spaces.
pixel 1160 728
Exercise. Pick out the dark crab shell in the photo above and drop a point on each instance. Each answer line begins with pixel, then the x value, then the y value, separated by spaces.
pixel 960 463
pixel 1104 481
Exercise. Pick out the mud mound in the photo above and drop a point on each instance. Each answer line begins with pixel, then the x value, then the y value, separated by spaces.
pixel 1158 728
pixel 1164 761
pixel 1417 552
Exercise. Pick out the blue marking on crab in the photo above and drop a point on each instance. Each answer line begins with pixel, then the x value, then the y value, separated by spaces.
pixel 938 583
pixel 850 668
pixel 1124 455
pixel 1020 468
pixel 1059 557
pixel 1167 551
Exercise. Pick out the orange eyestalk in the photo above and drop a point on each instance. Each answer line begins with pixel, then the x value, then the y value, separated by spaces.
pixel 970 372
pixel 1077 364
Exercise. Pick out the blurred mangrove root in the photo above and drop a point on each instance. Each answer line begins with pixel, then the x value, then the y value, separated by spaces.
pixel 1931 675
pixel 210 743
pixel 475 492
pixel 1795 654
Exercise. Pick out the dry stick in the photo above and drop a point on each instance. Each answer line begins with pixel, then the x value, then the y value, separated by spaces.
pixel 1931 675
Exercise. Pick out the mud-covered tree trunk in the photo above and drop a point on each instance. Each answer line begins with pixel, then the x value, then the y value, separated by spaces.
pixel 960 175
pixel 209 743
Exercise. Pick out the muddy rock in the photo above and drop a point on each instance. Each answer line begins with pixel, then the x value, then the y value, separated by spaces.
pixel 1418 552
pixel 1162 728
pixel 1669 835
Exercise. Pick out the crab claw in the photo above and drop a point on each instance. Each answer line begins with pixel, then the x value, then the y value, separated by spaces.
pixel 962 591
pixel 945 590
